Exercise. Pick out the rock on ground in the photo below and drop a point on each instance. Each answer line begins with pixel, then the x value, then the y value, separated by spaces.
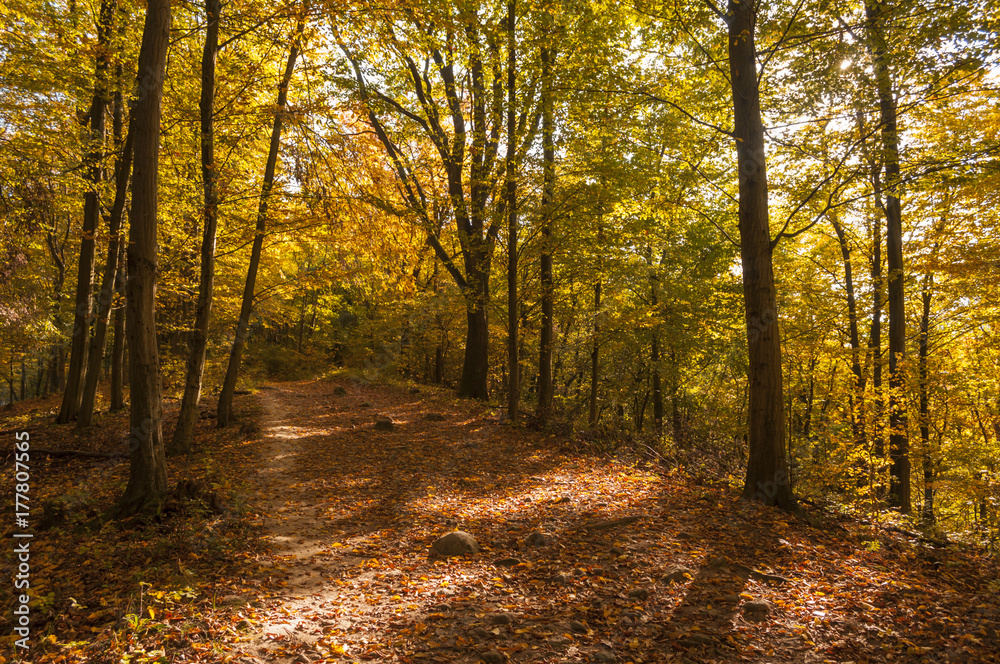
pixel 456 543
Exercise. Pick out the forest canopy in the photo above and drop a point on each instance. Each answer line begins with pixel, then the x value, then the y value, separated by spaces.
pixel 761 238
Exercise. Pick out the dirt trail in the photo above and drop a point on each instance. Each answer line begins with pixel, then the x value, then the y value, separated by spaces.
pixel 691 575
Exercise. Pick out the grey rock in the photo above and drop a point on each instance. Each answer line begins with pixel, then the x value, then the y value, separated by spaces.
pixel 492 657
pixel 697 639
pixel 561 578
pixel 676 574
pixel 577 626
pixel 384 423
pixel 538 538
pixel 756 611
pixel 456 543
pixel 604 656
pixel 559 640
pixel 507 562
pixel 640 594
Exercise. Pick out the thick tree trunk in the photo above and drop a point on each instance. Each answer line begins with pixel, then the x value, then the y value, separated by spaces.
pixel 225 407
pixel 899 452
pixel 513 361
pixel 91 217
pixel 123 167
pixel 545 384
pixel 767 468
pixel 184 432
pixel 148 469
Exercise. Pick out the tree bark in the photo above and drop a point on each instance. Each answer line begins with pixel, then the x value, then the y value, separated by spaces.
pixel 118 342
pixel 123 167
pixel 926 294
pixel 545 384
pixel 148 469
pixel 858 416
pixel 899 452
pixel 654 353
pixel 184 432
pixel 595 352
pixel 91 217
pixel 767 468
pixel 513 360
pixel 225 407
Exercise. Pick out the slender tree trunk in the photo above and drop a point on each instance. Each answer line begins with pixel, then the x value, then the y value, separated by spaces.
pixel 767 468
pixel 148 469
pixel 654 354
pixel 925 430
pixel 225 407
pixel 91 217
pixel 123 167
pixel 24 378
pixel 118 342
pixel 545 384
pixel 184 432
pixel 514 368
pixel 595 353
pixel 858 418
pixel 899 452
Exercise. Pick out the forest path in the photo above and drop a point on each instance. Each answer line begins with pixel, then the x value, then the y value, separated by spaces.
pixel 693 575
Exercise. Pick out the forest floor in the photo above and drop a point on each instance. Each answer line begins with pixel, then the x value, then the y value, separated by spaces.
pixel 322 551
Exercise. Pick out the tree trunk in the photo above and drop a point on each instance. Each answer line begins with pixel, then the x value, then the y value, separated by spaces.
pixel 123 167
pixel 91 217
pixel 767 468
pixel 225 407
pixel 899 453
pixel 925 430
pixel 513 361
pixel 148 469
pixel 184 432
pixel 545 384
pixel 654 354
pixel 858 418
pixel 118 343
pixel 595 353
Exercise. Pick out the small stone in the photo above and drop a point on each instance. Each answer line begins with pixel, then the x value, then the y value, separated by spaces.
pixel 678 574
pixel 538 538
pixel 365 405
pixel 339 391
pixel 507 562
pixel 604 656
pixel 718 563
pixel 615 551
pixel 384 423
pixel 500 619
pixel 756 611
pixel 561 578
pixel 456 543
pixel 492 657
pixel 480 633
pixel 640 594
pixel 434 417
pixel 577 627
pixel 697 640
pixel 559 640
